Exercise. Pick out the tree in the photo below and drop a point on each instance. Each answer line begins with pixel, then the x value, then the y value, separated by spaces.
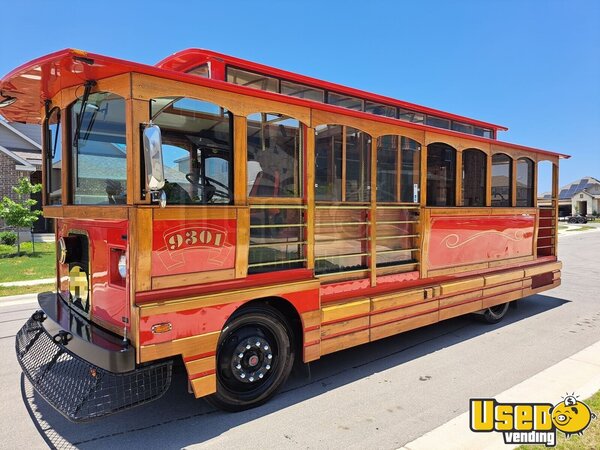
pixel 18 213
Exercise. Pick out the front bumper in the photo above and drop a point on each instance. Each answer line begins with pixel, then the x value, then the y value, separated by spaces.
pixel 56 360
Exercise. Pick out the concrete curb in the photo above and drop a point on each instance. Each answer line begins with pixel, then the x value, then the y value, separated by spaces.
pixel 13 300
pixel 580 373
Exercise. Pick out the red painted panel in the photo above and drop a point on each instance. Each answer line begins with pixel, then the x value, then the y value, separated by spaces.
pixel 455 241
pixel 180 246
pixel 109 300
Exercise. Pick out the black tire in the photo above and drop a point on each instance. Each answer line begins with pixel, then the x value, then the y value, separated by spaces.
pixel 495 314
pixel 255 355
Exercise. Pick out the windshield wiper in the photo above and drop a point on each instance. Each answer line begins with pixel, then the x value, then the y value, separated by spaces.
pixel 86 94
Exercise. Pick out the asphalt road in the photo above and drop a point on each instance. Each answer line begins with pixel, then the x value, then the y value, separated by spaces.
pixel 379 395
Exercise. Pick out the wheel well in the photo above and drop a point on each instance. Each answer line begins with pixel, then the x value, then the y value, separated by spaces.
pixel 288 311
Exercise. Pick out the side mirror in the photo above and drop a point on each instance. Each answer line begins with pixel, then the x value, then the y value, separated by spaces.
pixel 153 159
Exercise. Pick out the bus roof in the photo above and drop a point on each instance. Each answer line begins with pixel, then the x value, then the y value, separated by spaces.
pixel 188 59
pixel 40 79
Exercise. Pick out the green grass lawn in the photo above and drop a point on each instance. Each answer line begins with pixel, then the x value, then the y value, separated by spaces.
pixel 27 265
pixel 19 290
pixel 590 438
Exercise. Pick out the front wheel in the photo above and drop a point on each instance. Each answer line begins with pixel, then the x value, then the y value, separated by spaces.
pixel 255 355
pixel 495 314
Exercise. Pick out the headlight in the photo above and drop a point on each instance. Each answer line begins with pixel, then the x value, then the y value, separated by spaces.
pixel 122 266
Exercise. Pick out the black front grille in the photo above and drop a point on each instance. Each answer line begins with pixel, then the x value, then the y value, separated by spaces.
pixel 77 389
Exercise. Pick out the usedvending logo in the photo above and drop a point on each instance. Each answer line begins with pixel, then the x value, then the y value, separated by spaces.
pixel 530 423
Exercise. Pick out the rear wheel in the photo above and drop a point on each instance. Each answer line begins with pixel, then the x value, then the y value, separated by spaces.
pixel 495 314
pixel 255 355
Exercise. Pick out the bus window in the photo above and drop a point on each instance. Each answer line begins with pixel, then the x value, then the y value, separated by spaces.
pixel 501 180
pixel 99 151
pixel 328 163
pixel 441 175
pixel 197 151
pixel 398 169
pixel 525 174
pixel 53 158
pixel 474 173
pixel 274 149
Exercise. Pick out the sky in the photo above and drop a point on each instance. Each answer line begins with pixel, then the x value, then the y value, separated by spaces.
pixel 533 66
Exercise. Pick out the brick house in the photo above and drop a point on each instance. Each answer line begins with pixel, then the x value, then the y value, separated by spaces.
pixel 21 156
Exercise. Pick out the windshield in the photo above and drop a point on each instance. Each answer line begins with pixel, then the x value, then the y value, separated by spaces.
pixel 99 151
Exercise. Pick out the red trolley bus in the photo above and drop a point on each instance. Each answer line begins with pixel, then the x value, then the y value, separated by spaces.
pixel 239 217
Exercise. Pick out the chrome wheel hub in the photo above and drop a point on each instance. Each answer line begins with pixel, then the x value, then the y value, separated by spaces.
pixel 252 359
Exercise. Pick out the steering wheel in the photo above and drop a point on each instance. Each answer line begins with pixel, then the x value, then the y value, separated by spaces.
pixel 208 190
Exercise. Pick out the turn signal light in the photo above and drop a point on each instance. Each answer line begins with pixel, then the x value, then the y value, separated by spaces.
pixel 161 327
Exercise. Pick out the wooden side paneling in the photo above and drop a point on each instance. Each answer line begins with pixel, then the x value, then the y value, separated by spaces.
pixel 204 386
pixel 309 163
pixel 460 298
pixel 187 279
pixel 461 309
pixel 345 309
pixel 311 318
pixel 194 345
pixel 501 298
pixel 240 182
pixel 503 277
pixel 312 352
pixel 344 341
pixel 402 313
pixel 202 365
pixel 397 300
pixel 503 288
pixel 462 285
pixel 403 325
pixel 242 243
pixel 343 327
pixel 536 270
pixel 141 231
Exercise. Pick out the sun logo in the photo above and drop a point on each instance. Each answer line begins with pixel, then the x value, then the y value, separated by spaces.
pixel 571 416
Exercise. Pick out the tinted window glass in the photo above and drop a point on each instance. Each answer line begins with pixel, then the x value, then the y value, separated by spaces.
pixel 379 109
pixel 358 162
pixel 251 79
pixel 501 180
pixel 397 169
pixel 197 151
pixel 474 177
pixel 54 158
pixel 437 122
pixel 274 149
pixel 328 162
pixel 201 71
pixel 99 151
pixel 302 91
pixel 345 101
pixel 441 175
pixel 525 177
pixel 462 127
pixel 410 116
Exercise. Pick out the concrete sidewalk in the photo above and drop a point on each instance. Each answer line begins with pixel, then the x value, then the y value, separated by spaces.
pixel 579 373
pixel 28 282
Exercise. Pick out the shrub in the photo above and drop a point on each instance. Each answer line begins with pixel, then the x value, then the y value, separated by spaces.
pixel 8 237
